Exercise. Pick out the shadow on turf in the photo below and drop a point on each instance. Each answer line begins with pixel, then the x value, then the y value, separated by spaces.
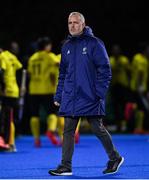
pixel 110 176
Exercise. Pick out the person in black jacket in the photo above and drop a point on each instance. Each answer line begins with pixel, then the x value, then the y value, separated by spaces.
pixel 84 78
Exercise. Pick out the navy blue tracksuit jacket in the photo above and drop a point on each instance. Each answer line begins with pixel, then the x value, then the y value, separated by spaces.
pixel 84 76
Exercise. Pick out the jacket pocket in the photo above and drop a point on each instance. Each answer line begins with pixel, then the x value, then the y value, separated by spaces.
pixel 88 95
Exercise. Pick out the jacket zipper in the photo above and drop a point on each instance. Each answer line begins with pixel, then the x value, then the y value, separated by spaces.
pixel 74 83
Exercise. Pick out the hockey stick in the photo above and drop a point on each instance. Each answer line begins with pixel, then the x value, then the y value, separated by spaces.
pixel 22 93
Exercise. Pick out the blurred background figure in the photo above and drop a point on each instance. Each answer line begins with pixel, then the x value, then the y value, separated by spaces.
pixel 9 65
pixel 14 48
pixel 3 145
pixel 139 87
pixel 120 85
pixel 41 69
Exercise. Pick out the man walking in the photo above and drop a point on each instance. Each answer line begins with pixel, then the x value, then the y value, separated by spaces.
pixel 84 78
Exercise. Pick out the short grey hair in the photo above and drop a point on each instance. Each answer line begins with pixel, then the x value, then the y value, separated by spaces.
pixel 78 13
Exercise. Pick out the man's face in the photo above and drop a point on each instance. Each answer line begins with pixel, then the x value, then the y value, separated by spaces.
pixel 75 25
pixel 1 50
pixel 147 52
pixel 48 47
pixel 116 50
pixel 15 48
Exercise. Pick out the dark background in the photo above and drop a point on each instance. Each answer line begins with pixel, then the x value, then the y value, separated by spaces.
pixel 123 22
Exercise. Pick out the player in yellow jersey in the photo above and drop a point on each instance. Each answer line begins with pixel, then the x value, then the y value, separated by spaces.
pixel 3 145
pixel 120 84
pixel 1 77
pixel 41 89
pixel 10 94
pixel 139 85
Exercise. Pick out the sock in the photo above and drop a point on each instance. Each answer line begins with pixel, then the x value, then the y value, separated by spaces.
pixel 78 126
pixel 12 134
pixel 139 120
pixel 12 129
pixel 35 127
pixel 52 122
pixel 60 127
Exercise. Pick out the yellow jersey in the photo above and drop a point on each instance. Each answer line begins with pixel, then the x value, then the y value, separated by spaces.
pixel 55 71
pixel 0 77
pixel 120 68
pixel 41 70
pixel 0 61
pixel 139 72
pixel 10 64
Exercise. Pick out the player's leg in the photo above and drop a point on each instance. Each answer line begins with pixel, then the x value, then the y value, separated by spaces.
pixel 35 120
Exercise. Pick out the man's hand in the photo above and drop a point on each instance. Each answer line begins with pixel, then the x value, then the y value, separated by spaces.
pixel 56 103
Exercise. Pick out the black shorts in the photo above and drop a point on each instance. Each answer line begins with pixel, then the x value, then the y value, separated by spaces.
pixel 136 98
pixel 10 103
pixel 36 102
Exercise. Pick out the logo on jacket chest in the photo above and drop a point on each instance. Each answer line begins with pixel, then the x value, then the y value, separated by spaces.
pixel 68 52
pixel 84 50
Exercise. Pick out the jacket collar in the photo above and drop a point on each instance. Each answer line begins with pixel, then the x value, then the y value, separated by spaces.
pixel 87 31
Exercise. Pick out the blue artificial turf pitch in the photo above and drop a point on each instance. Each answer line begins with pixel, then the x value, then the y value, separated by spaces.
pixel 89 159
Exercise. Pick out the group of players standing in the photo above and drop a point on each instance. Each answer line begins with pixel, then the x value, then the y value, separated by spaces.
pixel 128 92
pixel 41 79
